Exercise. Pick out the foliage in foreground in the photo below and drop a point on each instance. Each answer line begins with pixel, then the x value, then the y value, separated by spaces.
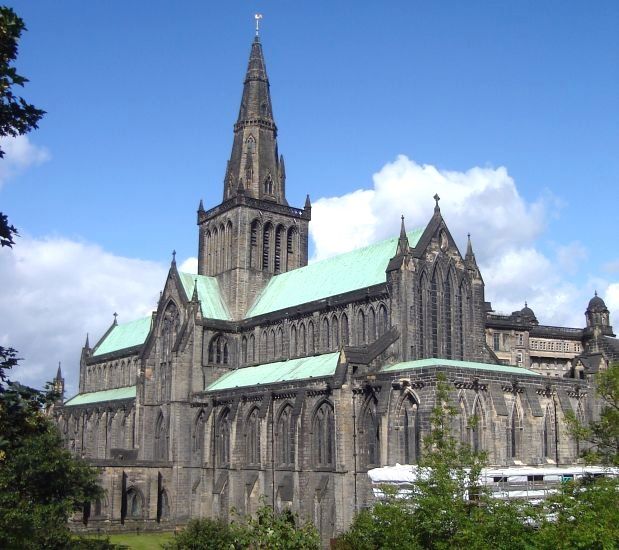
pixel 448 510
pixel 267 531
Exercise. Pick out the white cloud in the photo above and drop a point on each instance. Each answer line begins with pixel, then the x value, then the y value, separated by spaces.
pixel 55 290
pixel 19 154
pixel 505 230
pixel 190 265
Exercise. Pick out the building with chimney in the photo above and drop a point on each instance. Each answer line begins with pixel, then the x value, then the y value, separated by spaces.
pixel 264 376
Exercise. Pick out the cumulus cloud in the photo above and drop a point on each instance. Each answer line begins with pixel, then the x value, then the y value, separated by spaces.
pixel 190 265
pixel 484 201
pixel 55 290
pixel 19 153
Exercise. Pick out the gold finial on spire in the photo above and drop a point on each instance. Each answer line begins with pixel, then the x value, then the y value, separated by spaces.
pixel 258 17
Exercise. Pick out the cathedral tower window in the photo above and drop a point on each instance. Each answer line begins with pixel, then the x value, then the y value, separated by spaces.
pixel 372 325
pixel 218 351
pixel 279 236
pixel 244 350
pixel 252 437
pixel 222 438
pixel 253 244
pixel 292 259
pixel 279 343
pixel 252 349
pixel 285 437
pixel 268 185
pixel 266 246
pixel 323 436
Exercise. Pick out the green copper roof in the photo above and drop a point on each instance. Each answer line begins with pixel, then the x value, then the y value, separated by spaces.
pixel 353 270
pixel 125 335
pixel 420 363
pixel 211 302
pixel 283 371
pixel 100 396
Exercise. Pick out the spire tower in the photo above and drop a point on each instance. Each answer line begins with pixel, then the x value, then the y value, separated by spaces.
pixel 255 165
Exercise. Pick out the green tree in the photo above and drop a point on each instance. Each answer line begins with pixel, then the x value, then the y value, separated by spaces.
pixel 602 436
pixel 17 116
pixel 267 531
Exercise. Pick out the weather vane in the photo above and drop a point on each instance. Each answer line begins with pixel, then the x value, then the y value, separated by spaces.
pixel 258 17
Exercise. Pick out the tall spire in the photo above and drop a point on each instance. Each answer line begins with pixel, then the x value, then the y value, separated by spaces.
pixel 255 164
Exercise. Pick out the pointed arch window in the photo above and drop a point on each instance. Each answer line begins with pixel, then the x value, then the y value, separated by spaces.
pixel 434 313
pixel 161 438
pixel 253 244
pixel 326 339
pixel 514 433
pixel 266 247
pixel 285 437
pixel 335 332
pixel 218 350
pixel 549 433
pixel 371 434
pixel 244 350
pixel 311 343
pixel 252 348
pixel 169 330
pixel 135 503
pixel 361 329
pixel 268 185
pixel 410 439
pixel 383 320
pixel 280 234
pixel 476 426
pixel 292 260
pixel 293 341
pixel 302 340
pixel 447 315
pixel 345 337
pixel 422 306
pixel 323 436
pixel 222 438
pixel 197 443
pixel 252 437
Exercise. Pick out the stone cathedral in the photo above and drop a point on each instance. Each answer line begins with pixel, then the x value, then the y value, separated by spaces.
pixel 263 377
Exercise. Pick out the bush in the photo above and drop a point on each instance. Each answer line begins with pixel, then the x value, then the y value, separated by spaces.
pixel 205 534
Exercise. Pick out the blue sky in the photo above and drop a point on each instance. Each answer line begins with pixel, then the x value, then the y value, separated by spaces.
pixel 141 98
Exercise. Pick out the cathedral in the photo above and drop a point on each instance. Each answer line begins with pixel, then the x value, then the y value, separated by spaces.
pixel 265 378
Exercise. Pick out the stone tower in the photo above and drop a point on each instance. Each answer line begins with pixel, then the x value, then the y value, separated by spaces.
pixel 253 234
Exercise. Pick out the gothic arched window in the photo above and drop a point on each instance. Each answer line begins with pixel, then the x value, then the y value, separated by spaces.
pixel 514 433
pixel 434 329
pixel 345 337
pixel 218 351
pixel 252 437
pixel 293 341
pixel 361 332
pixel 161 438
pixel 169 330
pixel 252 348
pixel 244 349
pixel 135 503
pixel 285 435
pixel 326 337
pixel 383 320
pixel 292 259
pixel 410 439
pixel 197 444
pixel 422 306
pixel 253 244
pixel 323 436
pixel 311 345
pixel 302 340
pixel 222 438
pixel 280 235
pixel 476 425
pixel 447 323
pixel 371 434
pixel 266 246
pixel 372 325
pixel 335 332
pixel 549 434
